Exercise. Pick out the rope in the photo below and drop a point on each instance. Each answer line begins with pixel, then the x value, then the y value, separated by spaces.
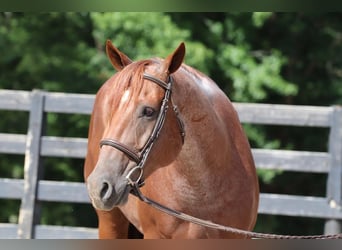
pixel 136 191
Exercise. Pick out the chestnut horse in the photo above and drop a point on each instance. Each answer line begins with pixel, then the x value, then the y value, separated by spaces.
pixel 193 157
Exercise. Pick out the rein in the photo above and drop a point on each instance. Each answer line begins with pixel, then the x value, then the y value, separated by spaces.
pixel 209 224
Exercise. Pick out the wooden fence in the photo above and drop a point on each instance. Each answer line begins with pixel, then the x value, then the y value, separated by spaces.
pixel 34 145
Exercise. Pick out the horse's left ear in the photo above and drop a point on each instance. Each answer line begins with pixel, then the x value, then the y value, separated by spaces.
pixel 175 59
pixel 118 59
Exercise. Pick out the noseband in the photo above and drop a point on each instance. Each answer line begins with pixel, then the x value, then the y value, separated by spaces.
pixel 140 157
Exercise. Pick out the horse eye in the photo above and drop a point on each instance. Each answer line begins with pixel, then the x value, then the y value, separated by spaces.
pixel 148 112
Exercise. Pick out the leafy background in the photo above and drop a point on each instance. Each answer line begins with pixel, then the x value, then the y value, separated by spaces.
pixel 283 58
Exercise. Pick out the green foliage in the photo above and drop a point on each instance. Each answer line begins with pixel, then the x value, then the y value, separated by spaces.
pixel 289 58
pixel 259 18
pixel 144 35
pixel 253 71
pixel 48 51
pixel 254 74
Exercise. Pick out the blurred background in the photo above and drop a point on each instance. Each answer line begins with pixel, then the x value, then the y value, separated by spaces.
pixel 280 58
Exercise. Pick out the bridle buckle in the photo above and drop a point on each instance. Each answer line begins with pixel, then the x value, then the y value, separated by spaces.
pixel 130 179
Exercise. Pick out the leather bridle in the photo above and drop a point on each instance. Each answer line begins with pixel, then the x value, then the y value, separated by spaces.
pixel 140 157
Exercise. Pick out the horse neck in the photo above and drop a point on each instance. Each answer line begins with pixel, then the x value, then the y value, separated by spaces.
pixel 205 130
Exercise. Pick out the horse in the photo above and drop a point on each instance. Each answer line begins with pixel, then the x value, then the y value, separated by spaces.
pixel 167 127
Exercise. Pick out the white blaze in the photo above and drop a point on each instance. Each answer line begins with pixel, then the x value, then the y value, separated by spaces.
pixel 124 97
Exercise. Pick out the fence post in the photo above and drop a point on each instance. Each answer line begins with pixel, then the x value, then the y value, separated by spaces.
pixel 334 183
pixel 29 210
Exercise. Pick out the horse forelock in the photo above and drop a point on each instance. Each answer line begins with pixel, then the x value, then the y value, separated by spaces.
pixel 130 78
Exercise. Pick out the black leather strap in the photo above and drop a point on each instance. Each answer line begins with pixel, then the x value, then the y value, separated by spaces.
pixel 131 153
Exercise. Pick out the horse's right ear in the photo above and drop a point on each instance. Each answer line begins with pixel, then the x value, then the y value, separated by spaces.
pixel 118 59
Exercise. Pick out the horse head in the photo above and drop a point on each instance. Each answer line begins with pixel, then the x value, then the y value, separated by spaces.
pixel 133 107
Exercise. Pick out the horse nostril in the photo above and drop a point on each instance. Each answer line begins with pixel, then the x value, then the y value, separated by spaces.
pixel 106 191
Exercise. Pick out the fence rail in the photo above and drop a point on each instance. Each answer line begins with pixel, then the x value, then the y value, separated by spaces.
pixel 35 145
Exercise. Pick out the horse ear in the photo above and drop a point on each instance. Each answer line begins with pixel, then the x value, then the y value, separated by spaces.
pixel 175 59
pixel 118 59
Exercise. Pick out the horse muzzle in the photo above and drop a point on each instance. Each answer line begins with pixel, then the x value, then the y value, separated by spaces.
pixel 104 194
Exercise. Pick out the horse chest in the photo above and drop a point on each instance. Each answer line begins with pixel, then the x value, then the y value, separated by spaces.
pixel 154 224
